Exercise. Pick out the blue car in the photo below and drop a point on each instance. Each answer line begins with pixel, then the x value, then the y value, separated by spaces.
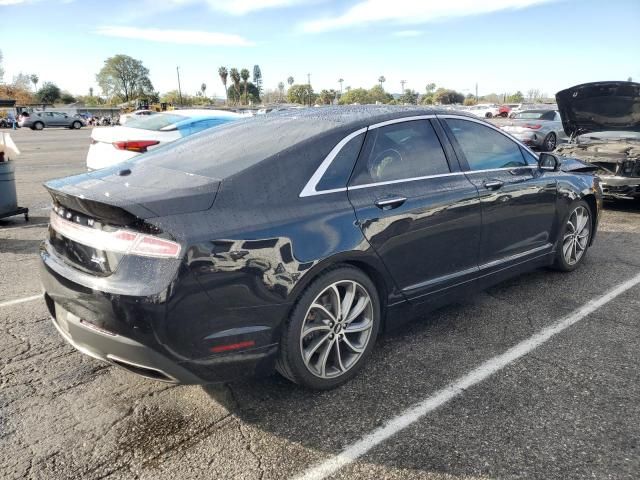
pixel 111 145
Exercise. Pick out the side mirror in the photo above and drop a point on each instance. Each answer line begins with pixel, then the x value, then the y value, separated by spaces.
pixel 548 162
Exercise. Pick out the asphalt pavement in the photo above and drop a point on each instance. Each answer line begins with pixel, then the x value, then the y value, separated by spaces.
pixel 569 408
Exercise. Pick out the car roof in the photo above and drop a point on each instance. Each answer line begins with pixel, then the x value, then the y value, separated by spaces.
pixel 205 113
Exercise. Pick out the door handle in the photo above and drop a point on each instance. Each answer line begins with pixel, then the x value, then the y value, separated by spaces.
pixel 493 184
pixel 389 203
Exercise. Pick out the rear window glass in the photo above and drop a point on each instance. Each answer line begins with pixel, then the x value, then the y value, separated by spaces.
pixel 155 122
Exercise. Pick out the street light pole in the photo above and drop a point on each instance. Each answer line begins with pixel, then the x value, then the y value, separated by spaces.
pixel 179 88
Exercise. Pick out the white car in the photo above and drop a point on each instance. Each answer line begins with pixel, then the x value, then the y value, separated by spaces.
pixel 484 110
pixel 124 118
pixel 113 145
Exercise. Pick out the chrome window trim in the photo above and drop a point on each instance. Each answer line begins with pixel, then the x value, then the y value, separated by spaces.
pixel 487 124
pixel 310 188
pixel 400 120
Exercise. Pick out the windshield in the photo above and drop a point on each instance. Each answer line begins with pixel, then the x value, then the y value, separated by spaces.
pixel 155 122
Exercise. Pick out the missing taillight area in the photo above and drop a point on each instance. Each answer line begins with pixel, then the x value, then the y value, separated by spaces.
pixel 117 241
pixel 139 146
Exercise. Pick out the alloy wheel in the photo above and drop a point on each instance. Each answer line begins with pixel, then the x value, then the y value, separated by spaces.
pixel 336 329
pixel 576 237
pixel 550 142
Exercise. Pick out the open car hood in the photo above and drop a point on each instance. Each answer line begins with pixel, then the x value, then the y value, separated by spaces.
pixel 600 106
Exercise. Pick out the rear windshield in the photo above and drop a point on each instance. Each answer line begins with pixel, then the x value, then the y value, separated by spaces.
pixel 155 122
pixel 529 115
pixel 230 148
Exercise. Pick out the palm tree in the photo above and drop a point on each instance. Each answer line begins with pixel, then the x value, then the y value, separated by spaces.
pixel 341 81
pixel 91 91
pixel 290 81
pixel 34 79
pixel 222 71
pixel 281 89
pixel 381 80
pixel 244 74
pixel 235 78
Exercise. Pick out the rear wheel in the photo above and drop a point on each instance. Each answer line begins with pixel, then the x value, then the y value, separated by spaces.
pixel 488 115
pixel 331 330
pixel 575 237
pixel 549 142
pixel 38 126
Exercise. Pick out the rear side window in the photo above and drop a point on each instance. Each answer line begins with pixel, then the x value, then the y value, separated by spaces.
pixel 483 147
pixel 337 175
pixel 400 151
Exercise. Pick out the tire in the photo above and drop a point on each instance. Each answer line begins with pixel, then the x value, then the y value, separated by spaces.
pixel 336 349
pixel 76 125
pixel 38 126
pixel 488 115
pixel 549 143
pixel 564 261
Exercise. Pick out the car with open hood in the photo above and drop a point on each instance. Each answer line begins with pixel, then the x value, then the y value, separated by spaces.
pixel 288 241
pixel 602 120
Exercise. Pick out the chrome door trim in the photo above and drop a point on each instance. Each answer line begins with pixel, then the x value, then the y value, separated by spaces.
pixel 479 269
pixel 401 120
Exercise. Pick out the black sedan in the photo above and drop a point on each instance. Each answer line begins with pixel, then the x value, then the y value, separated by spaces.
pixel 290 241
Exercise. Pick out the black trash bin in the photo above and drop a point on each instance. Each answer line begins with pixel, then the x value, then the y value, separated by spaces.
pixel 8 197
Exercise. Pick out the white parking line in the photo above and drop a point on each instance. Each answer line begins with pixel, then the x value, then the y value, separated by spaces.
pixel 477 375
pixel 20 300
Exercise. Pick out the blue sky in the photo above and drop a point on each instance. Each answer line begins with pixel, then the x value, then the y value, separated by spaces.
pixel 504 45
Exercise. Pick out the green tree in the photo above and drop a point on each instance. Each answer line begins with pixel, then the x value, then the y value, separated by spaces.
pixel 446 96
pixel 326 97
pixel 253 94
pixel 409 96
pixel 91 91
pixel 469 101
pixel 257 77
pixel 244 74
pixel 173 97
pixel 34 79
pixel 66 98
pixel 381 80
pixel 203 89
pixel 517 97
pixel 290 81
pixel 281 90
pixel 235 78
pixel 1 68
pixel 222 71
pixel 430 88
pixel 377 94
pixel 49 93
pixel 302 94
pixel 125 77
pixel 355 95
pixel 341 81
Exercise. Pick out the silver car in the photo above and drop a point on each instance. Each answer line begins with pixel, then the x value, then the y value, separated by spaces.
pixel 40 120
pixel 541 129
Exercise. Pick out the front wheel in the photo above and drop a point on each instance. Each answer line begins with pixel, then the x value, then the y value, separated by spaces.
pixel 549 142
pixel 76 125
pixel 38 126
pixel 488 115
pixel 575 237
pixel 331 330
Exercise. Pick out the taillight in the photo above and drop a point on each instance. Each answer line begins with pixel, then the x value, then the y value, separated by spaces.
pixel 532 126
pixel 118 241
pixel 139 146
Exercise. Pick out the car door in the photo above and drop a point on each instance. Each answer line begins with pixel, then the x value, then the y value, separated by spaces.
pixel 518 198
pixel 418 211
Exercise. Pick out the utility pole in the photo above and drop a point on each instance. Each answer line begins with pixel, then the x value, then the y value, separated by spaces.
pixel 179 89
pixel 402 82
pixel 477 92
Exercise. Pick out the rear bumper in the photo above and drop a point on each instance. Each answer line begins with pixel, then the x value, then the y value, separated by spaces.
pixel 129 331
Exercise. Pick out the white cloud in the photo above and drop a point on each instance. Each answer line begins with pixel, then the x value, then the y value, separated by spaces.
pixel 237 7
pixel 411 12
pixel 185 37
pixel 407 33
